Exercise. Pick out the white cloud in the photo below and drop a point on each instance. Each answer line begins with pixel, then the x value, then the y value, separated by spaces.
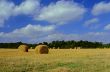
pixel 101 8
pixel 107 27
pixel 97 36
pixel 27 7
pixel 91 36
pixel 6 9
pixel 37 33
pixel 27 34
pixel 61 12
pixel 60 36
pixel 91 21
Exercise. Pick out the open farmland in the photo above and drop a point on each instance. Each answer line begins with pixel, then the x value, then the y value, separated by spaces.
pixel 58 60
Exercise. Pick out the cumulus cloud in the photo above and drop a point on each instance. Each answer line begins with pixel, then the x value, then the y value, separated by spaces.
pixel 60 36
pixel 91 21
pixel 38 33
pixel 101 8
pixel 27 7
pixel 27 34
pixel 97 36
pixel 61 12
pixel 107 27
pixel 91 36
pixel 6 9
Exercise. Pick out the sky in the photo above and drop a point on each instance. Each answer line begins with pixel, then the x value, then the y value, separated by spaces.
pixel 34 21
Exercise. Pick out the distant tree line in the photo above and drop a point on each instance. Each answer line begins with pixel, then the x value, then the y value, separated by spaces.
pixel 60 44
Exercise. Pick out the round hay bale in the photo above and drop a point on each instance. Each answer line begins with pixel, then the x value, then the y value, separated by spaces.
pixel 23 48
pixel 41 49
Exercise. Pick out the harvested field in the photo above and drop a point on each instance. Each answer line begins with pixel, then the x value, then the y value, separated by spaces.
pixel 73 60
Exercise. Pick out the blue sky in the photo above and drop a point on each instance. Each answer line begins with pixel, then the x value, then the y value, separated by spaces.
pixel 33 21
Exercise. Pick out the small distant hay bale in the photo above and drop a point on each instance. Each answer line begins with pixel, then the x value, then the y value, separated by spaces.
pixel 71 48
pixel 31 47
pixel 53 47
pixel 41 49
pixel 58 48
pixel 78 47
pixel 75 47
pixel 23 48
pixel 105 48
pixel 97 48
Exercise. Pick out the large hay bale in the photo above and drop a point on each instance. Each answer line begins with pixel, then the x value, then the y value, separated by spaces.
pixel 23 48
pixel 41 49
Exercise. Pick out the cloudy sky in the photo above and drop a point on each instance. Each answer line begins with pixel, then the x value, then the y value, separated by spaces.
pixel 33 21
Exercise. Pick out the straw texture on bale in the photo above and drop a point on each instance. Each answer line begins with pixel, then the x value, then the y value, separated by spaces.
pixel 23 48
pixel 41 49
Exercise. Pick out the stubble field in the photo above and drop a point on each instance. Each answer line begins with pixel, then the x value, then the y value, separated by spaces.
pixel 58 60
